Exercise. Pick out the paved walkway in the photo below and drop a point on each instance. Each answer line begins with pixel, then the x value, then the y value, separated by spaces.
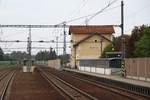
pixel 112 77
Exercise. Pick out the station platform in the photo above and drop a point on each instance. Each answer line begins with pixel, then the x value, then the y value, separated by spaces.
pixel 112 77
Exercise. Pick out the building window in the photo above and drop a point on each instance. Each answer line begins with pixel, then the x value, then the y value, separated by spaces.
pixel 71 41
pixel 96 41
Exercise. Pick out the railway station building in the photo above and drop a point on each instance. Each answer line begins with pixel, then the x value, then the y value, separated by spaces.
pixel 88 42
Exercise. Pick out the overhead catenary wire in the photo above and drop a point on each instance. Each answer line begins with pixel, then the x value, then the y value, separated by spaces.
pixel 39 41
pixel 59 25
pixel 82 5
pixel 85 2
pixel 93 14
pixel 68 22
pixel 32 48
pixel 102 10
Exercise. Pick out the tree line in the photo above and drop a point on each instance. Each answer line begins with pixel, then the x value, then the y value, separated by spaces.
pixel 136 45
pixel 40 56
pixel 19 55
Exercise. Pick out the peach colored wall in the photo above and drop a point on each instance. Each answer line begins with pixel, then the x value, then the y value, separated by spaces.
pixel 89 49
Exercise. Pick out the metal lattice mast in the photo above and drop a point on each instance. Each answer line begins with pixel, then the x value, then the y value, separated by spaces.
pixel 64 47
pixel 57 45
pixel 29 51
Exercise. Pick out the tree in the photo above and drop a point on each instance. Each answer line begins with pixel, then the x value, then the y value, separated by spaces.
pixel 52 55
pixel 108 48
pixel 18 55
pixel 42 55
pixel 142 46
pixel 136 34
pixel 1 55
pixel 117 45
pixel 46 55
pixel 64 58
pixel 118 42
pixel 7 57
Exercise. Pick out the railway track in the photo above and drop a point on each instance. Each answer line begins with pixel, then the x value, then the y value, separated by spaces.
pixel 5 79
pixel 118 90
pixel 121 91
pixel 4 73
pixel 94 85
pixel 66 89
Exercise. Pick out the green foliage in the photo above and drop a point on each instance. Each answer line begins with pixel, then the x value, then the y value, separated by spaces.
pixel 46 55
pixel 108 48
pixel 1 55
pixel 42 55
pixel 52 55
pixel 142 46
pixel 137 33
pixel 64 58
pixel 15 55
pixel 117 46
pixel 136 45
pixel 18 55
pixel 7 57
pixel 118 42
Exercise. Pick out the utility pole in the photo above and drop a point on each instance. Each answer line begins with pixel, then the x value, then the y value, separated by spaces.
pixel 64 47
pixel 29 51
pixel 57 45
pixel 122 40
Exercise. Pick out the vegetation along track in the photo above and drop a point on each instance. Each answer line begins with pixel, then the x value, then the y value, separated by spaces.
pixel 95 89
pixel 67 89
pixel 6 77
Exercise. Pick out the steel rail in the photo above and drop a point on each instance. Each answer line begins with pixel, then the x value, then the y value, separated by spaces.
pixel 68 89
pixel 109 88
pixel 4 74
pixel 7 85
pixel 112 88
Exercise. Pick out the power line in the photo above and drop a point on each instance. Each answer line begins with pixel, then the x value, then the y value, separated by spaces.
pixel 102 10
pixel 140 10
pixel 80 7
pixel 93 14
pixel 40 41
pixel 33 26
pixel 85 2
pixel 32 48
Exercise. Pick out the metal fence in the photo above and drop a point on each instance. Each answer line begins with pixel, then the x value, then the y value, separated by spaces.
pixel 138 68
pixel 41 62
pixel 103 66
pixel 8 62
pixel 101 63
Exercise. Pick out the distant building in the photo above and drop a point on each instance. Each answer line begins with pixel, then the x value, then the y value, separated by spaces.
pixel 88 42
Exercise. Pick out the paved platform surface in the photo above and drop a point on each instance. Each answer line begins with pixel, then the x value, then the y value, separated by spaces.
pixel 113 77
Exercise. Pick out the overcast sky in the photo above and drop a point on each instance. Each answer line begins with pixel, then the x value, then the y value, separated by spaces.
pixel 137 12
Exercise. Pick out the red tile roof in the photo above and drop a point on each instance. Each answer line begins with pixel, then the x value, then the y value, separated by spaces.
pixel 92 29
